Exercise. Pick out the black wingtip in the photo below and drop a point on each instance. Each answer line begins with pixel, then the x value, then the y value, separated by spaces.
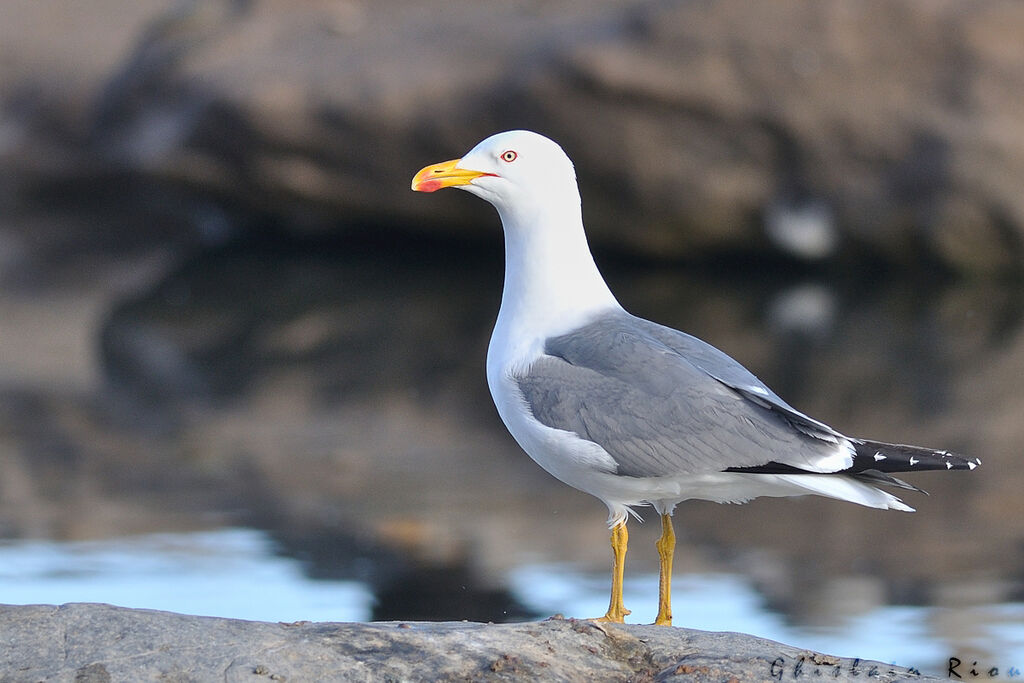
pixel 891 457
pixel 875 461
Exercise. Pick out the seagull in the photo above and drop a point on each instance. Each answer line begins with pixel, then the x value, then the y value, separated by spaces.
pixel 627 410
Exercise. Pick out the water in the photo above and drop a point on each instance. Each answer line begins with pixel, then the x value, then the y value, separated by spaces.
pixel 227 573
pixel 288 433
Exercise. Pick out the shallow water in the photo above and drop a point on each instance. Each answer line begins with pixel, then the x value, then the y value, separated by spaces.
pixel 290 434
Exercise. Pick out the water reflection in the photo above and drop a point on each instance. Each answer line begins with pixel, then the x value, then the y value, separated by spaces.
pixel 215 573
pixel 334 399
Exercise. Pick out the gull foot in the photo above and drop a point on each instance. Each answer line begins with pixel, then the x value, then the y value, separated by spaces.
pixel 613 617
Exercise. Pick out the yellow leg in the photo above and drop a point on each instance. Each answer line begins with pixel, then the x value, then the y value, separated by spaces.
pixel 616 610
pixel 666 549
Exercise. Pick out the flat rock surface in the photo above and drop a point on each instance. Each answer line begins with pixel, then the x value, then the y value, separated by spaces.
pixel 93 643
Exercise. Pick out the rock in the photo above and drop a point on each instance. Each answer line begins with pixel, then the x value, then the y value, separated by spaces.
pixel 711 111
pixel 689 121
pixel 91 642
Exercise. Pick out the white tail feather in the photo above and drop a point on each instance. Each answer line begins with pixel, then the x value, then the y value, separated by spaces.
pixel 845 488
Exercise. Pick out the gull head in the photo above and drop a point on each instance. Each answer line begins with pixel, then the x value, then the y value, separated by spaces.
pixel 515 171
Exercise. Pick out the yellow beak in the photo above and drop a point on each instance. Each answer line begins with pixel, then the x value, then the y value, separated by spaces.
pixel 437 176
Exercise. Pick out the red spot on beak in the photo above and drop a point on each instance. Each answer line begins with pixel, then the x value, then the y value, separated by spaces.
pixel 429 185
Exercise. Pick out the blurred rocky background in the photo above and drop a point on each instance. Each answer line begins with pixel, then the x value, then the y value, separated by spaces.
pixel 876 128
pixel 221 305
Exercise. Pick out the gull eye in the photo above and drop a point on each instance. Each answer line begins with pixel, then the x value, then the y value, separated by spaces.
pixel 508 155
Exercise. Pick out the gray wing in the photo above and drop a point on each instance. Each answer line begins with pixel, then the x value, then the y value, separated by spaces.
pixel 661 402
pixel 726 370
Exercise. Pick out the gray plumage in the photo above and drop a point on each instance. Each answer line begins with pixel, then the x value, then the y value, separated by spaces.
pixel 661 402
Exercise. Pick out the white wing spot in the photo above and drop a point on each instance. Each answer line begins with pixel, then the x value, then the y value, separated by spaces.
pixel 949 465
pixel 972 465
pixel 913 461
pixel 879 456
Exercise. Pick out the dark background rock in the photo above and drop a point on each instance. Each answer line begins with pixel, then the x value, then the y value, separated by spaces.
pixel 84 642
pixel 891 130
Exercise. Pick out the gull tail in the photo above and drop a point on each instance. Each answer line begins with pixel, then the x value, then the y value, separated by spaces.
pixel 855 489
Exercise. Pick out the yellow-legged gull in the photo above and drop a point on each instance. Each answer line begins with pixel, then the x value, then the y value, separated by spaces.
pixel 627 410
